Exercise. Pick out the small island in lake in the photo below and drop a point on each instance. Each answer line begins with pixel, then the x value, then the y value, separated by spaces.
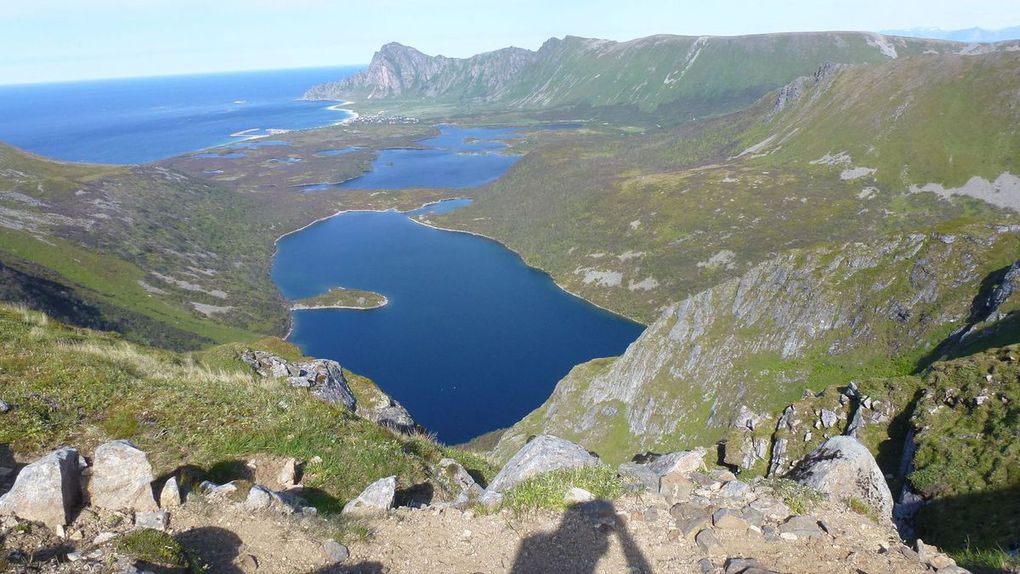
pixel 340 298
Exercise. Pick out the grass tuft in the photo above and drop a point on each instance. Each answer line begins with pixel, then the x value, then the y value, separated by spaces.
pixel 548 489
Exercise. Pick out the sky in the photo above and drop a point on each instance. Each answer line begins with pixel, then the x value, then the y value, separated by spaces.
pixel 63 40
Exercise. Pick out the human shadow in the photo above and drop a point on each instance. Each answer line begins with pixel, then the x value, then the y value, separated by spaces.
pixel 582 538
pixel 359 568
pixel 975 526
pixel 8 468
pixel 215 549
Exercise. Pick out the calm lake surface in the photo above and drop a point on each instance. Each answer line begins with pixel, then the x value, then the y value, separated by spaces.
pixel 140 120
pixel 472 339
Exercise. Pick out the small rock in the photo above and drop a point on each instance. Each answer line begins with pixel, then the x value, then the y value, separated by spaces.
pixel 828 418
pixel 259 498
pixel 577 496
pixel 932 556
pixel 103 538
pixel 288 476
pixel 377 497
pixel 335 551
pixel 47 491
pixel 727 519
pixel 771 508
pixel 739 565
pixel 5 407
pixel 170 496
pixel 705 566
pixel 954 569
pixel 736 490
pixel 675 487
pixel 248 563
pixel 694 524
pixel 121 478
pixel 707 541
pixel 73 556
pixel 800 526
pixel 157 520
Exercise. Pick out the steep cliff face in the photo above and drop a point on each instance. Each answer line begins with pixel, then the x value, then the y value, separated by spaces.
pixel 399 71
pixel 694 76
pixel 805 319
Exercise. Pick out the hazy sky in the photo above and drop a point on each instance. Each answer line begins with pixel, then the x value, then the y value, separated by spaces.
pixel 49 40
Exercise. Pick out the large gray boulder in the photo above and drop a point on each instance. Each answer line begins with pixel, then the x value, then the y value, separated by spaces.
pixel 122 478
pixel 543 454
pixel 843 468
pixel 376 498
pixel 47 491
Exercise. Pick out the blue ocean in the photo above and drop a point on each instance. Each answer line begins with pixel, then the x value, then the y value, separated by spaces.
pixel 140 120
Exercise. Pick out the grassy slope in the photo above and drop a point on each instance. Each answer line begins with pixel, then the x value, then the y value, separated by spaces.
pixel 80 240
pixel 79 387
pixel 691 214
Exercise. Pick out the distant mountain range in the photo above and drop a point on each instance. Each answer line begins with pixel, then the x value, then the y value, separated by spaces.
pixel 677 77
pixel 980 35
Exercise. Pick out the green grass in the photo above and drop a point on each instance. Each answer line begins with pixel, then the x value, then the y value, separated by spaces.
pixel 801 499
pixel 157 548
pixel 78 387
pixel 547 490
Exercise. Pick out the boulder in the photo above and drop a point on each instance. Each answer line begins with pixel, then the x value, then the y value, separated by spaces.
pixel 47 491
pixel 122 478
pixel 844 468
pixel 376 498
pixel 543 454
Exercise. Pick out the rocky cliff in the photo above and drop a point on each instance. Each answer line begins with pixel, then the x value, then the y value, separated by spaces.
pixel 690 75
pixel 401 71
pixel 800 321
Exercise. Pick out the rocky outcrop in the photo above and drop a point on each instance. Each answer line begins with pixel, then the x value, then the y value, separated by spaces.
pixel 121 478
pixel 740 343
pixel 844 469
pixel 542 454
pixel 399 71
pixel 47 490
pixel 323 378
pixel 377 497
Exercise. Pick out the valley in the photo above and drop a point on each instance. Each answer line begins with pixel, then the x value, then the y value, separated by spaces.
pixel 745 245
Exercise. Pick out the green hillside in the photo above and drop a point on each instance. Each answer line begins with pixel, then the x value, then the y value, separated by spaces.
pixel 637 221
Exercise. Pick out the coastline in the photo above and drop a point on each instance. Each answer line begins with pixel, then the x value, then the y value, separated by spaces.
pixel 290 329
pixel 523 259
pixel 300 307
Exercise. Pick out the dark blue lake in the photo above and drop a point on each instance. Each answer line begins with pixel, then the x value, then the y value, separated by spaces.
pixel 139 120
pixel 472 339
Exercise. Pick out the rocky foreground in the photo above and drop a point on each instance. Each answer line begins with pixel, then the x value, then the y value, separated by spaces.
pixel 108 513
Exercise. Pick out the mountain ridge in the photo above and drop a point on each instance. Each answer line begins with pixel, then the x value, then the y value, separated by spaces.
pixel 693 76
